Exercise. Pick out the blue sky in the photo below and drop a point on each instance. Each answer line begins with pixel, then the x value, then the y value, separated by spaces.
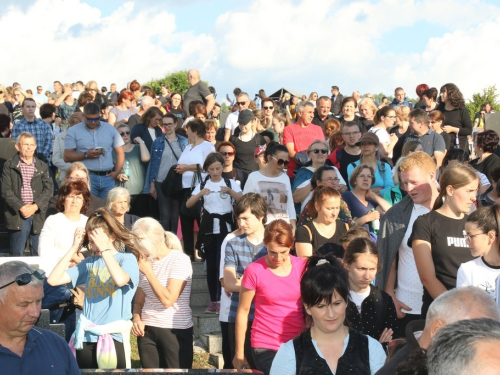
pixel 305 45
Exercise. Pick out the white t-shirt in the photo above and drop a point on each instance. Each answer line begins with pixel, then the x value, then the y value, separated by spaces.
pixel 479 274
pixel 277 193
pixel 194 155
pixel 358 298
pixel 383 136
pixel 410 289
pixel 497 293
pixel 232 121
pixel 216 202
pixel 56 238
pixel 152 133
pixel 225 301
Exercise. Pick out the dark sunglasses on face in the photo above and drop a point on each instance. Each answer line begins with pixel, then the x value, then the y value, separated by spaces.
pixel 318 150
pixel 93 119
pixel 268 107
pixel 125 133
pixel 25 278
pixel 281 162
pixel 227 153
pixel 241 103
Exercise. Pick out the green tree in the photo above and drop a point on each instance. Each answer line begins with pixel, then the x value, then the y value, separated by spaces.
pixel 488 95
pixel 176 81
pixel 224 108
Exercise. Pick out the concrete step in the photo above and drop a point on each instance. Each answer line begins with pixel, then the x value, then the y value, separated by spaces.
pixel 198 268
pixel 217 360
pixel 199 299
pixel 204 323
pixel 44 322
pixel 199 284
pixel 212 342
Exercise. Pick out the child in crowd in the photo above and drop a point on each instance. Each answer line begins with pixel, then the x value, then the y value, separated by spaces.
pixel 217 195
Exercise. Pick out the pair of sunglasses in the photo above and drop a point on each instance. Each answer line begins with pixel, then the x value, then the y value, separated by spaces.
pixel 318 150
pixel 281 162
pixel 25 278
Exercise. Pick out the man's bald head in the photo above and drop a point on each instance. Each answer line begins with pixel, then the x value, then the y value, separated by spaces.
pixel 193 76
pixel 147 102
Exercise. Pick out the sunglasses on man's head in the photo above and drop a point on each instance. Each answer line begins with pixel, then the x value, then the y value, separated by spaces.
pixel 281 162
pixel 25 278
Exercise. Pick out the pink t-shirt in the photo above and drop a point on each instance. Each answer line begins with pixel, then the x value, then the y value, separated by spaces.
pixel 301 139
pixel 278 306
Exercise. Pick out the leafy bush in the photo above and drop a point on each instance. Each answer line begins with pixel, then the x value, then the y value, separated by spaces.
pixel 176 81
pixel 488 95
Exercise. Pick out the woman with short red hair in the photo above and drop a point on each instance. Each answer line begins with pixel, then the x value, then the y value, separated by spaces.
pixel 279 316
pixel 123 109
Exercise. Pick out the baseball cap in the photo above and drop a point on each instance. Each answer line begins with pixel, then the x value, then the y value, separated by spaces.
pixel 260 150
pixel 245 116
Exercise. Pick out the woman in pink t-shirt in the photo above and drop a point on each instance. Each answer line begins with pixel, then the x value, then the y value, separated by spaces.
pixel 273 284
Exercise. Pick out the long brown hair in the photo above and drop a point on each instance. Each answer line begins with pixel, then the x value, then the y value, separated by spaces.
pixel 456 176
pixel 102 218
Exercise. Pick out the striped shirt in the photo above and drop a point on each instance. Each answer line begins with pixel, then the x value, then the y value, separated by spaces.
pixel 27 173
pixel 176 265
pixel 239 254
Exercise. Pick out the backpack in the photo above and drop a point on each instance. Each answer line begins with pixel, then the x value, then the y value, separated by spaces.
pixel 336 156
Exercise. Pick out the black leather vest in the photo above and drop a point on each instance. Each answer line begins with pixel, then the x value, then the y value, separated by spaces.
pixel 354 361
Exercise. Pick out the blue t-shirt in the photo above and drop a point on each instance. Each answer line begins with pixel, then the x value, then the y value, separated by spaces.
pixel 357 208
pixel 104 301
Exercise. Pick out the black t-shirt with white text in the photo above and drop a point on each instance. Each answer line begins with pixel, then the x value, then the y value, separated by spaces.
pixel 245 152
pixel 448 247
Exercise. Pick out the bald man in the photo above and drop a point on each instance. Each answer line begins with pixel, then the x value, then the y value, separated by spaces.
pixel 197 91
pixel 135 119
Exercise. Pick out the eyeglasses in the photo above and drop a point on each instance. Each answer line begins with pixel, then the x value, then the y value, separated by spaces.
pixel 365 176
pixel 331 179
pixel 469 237
pixel 281 162
pixel 76 178
pixel 241 103
pixel 168 124
pixel 93 119
pixel 125 133
pixel 73 197
pixel 350 133
pixel 268 107
pixel 158 120
pixel 25 278
pixel 227 153
pixel 318 150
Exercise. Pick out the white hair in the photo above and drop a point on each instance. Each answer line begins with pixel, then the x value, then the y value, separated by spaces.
pixel 10 270
pixel 113 195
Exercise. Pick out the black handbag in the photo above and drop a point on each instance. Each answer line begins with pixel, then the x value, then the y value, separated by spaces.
pixel 195 211
pixel 172 184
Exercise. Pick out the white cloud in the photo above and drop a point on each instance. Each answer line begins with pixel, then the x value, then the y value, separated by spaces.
pixel 69 40
pixel 306 45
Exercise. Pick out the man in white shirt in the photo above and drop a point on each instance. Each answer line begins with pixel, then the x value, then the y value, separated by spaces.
pixel 243 102
pixel 418 178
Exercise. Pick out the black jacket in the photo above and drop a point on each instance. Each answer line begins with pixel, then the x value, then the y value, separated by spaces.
pixel 337 104
pixel 42 187
pixel 141 130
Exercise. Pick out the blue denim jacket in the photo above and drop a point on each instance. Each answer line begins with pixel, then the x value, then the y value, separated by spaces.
pixel 156 152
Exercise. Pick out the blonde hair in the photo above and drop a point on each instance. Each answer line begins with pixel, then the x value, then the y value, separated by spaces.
pixel 402 113
pixel 92 85
pixel 420 160
pixel 315 142
pixel 151 235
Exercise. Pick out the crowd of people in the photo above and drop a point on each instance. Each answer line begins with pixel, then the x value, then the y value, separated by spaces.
pixel 339 234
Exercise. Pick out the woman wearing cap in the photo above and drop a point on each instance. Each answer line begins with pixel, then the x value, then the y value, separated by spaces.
pixel 260 156
pixel 246 142
pixel 383 173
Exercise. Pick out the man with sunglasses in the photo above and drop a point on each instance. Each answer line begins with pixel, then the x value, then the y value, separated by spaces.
pixel 243 102
pixel 92 143
pixel 26 190
pixel 25 349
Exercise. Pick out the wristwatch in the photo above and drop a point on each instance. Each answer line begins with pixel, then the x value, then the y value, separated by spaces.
pixel 85 155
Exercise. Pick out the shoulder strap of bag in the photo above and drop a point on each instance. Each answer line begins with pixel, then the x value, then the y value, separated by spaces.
pixel 169 145
pixel 228 184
